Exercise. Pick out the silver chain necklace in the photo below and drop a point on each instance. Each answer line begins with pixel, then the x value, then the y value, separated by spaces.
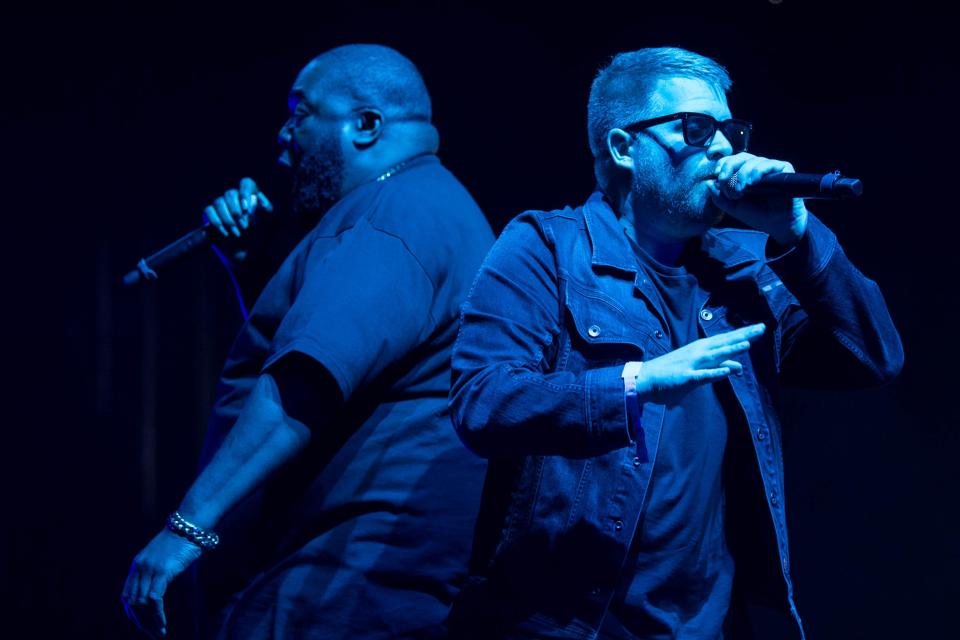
pixel 392 170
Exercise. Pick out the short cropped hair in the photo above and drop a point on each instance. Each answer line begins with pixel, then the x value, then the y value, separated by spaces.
pixel 620 93
pixel 371 75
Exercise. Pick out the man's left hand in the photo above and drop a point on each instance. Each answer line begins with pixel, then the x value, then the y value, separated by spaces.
pixel 783 219
pixel 162 560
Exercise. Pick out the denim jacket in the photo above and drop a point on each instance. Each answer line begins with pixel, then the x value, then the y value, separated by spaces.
pixel 559 305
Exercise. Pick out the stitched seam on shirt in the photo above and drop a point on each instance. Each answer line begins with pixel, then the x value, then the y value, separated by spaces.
pixel 855 350
pixel 831 252
pixel 406 247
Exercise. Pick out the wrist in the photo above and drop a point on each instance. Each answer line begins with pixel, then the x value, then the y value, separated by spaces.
pixel 629 374
pixel 204 538
pixel 197 513
pixel 632 404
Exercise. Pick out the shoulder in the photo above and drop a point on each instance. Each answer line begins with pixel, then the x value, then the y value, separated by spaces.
pixel 546 224
pixel 424 194
pixel 434 217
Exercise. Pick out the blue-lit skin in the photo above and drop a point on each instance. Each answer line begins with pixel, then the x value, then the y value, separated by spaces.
pixel 330 148
pixel 677 191
pixel 269 433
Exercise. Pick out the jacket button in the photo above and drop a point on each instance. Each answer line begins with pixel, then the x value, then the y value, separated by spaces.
pixel 773 498
pixel 706 315
pixel 593 331
pixel 618 524
pixel 761 434
pixel 636 461
pixel 659 334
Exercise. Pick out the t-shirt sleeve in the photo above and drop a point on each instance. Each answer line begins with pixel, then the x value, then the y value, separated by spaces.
pixel 362 306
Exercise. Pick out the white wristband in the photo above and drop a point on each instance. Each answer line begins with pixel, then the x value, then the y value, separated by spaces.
pixel 629 374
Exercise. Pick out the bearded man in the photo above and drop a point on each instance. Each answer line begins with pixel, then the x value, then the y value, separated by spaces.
pixel 618 364
pixel 344 502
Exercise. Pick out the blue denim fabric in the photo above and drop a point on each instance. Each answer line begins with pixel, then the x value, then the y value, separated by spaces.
pixel 559 305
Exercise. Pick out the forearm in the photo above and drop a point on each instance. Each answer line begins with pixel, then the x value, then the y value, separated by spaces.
pixel 508 411
pixel 842 304
pixel 263 439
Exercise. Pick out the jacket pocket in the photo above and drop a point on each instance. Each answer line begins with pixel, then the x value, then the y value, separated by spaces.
pixel 600 332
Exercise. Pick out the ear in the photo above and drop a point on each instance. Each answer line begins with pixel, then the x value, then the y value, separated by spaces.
pixel 367 127
pixel 618 146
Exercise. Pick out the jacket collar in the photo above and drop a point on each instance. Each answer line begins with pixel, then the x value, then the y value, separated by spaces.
pixel 610 246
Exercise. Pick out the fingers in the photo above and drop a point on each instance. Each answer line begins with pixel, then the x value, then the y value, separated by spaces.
pixel 226 217
pixel 748 333
pixel 210 215
pixel 134 597
pixel 138 581
pixel 706 376
pixel 156 589
pixel 732 365
pixel 247 188
pixel 239 212
pixel 228 213
pixel 731 349
pixel 264 202
pixel 155 614
pixel 143 602
pixel 729 166
pixel 740 171
pixel 712 374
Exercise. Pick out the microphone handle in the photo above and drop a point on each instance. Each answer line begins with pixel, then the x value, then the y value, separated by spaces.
pixel 145 270
pixel 830 186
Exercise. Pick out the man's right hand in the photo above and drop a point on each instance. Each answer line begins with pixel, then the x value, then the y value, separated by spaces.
pixel 668 378
pixel 229 213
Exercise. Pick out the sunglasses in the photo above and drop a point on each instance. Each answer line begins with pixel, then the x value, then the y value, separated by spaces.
pixel 699 129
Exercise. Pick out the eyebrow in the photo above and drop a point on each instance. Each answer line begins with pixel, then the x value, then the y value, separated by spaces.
pixel 296 97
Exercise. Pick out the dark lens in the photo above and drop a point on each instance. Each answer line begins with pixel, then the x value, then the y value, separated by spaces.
pixel 699 129
pixel 737 132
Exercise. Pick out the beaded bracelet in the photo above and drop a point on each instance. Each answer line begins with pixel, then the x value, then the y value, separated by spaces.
pixel 206 540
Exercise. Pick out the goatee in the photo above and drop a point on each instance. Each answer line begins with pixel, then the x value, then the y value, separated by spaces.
pixel 680 204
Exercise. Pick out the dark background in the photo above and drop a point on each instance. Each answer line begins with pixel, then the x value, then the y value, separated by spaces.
pixel 117 128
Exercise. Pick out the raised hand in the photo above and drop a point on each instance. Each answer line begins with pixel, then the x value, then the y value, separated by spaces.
pixel 667 378
pixel 783 219
pixel 229 213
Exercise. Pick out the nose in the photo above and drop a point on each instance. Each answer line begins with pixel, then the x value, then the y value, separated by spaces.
pixel 719 147
pixel 283 136
pixel 284 141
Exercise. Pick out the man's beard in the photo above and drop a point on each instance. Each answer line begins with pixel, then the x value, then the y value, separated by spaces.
pixel 318 179
pixel 681 203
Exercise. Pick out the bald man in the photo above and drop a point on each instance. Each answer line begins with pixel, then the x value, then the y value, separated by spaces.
pixel 344 502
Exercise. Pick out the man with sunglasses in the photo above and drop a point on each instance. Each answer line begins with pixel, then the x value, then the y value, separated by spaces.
pixel 618 362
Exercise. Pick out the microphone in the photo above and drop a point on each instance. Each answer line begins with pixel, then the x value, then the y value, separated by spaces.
pixel 817 186
pixel 196 239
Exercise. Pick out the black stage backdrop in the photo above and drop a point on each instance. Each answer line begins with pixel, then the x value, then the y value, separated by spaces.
pixel 117 128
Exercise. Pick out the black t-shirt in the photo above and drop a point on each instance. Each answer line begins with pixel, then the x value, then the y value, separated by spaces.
pixel 680 570
pixel 368 533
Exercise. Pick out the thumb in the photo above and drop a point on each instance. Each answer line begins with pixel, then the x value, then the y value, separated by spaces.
pixel 263 201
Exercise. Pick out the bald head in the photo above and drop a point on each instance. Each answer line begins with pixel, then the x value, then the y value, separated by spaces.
pixel 370 76
pixel 355 112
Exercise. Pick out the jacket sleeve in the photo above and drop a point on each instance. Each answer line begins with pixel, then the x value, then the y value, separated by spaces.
pixel 838 333
pixel 506 400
